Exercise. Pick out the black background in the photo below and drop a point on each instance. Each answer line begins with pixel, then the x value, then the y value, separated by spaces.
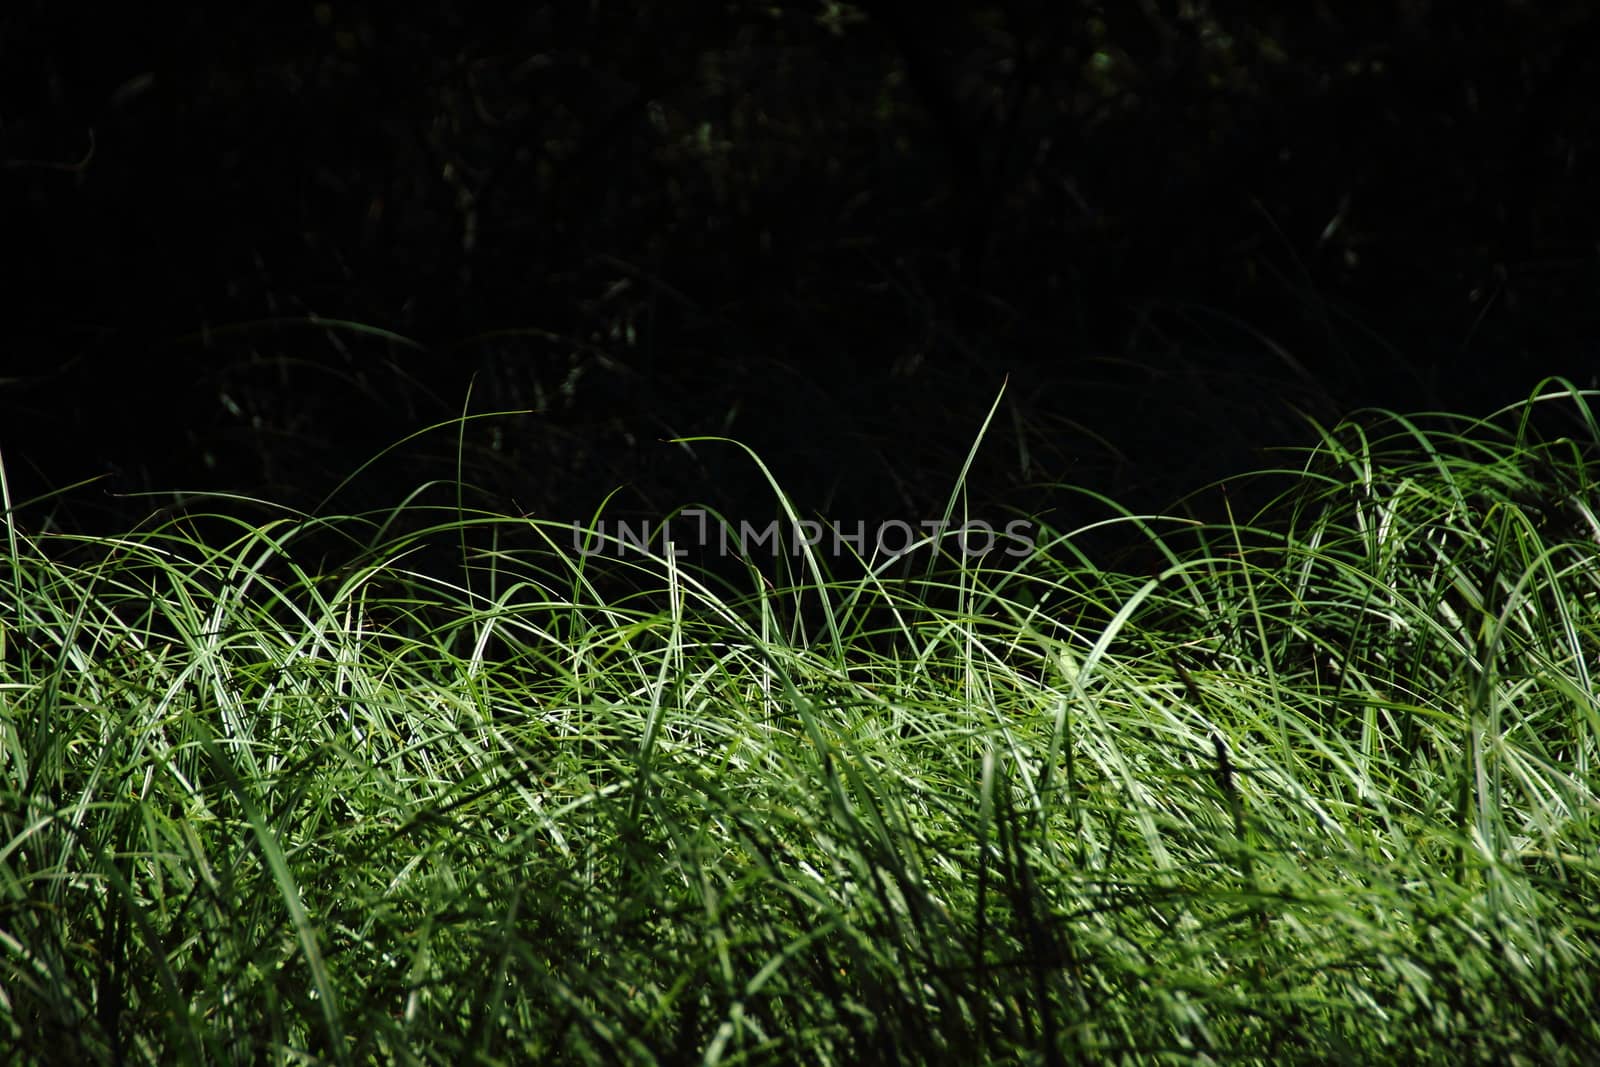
pixel 830 231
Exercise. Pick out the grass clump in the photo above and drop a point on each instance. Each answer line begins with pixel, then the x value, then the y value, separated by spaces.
pixel 1319 787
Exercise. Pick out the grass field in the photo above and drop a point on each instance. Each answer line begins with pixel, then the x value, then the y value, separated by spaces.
pixel 1320 785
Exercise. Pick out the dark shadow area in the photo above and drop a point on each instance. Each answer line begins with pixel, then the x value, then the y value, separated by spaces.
pixel 254 246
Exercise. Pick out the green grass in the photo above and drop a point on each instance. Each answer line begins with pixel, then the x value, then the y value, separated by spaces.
pixel 1320 787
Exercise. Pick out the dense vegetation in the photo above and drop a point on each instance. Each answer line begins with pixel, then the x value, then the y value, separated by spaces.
pixel 324 738
pixel 1319 786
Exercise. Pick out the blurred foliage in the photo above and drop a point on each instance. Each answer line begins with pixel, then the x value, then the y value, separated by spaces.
pixel 806 224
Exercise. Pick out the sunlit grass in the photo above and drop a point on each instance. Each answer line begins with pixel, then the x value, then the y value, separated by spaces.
pixel 1319 788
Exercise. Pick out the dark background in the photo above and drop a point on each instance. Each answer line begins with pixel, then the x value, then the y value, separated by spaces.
pixel 253 244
